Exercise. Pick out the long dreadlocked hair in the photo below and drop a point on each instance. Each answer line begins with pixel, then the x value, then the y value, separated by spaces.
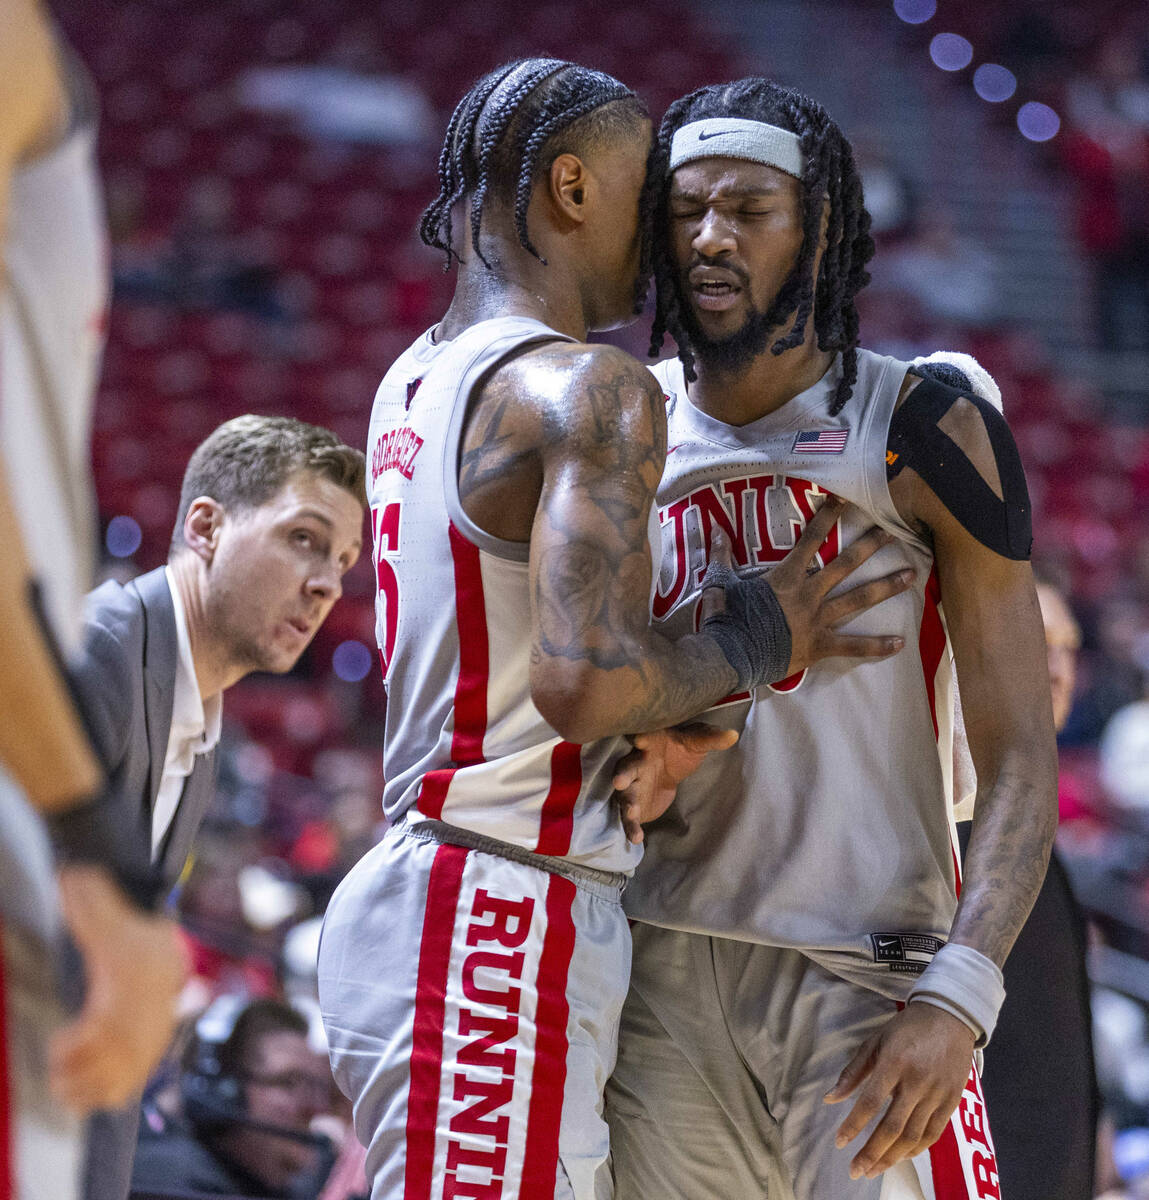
pixel 829 171
pixel 507 131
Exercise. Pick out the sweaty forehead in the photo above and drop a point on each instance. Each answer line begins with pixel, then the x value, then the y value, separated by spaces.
pixel 730 178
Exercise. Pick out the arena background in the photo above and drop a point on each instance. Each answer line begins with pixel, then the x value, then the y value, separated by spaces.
pixel 265 164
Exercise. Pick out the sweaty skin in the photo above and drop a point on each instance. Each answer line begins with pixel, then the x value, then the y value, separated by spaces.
pixel 735 232
pixel 563 448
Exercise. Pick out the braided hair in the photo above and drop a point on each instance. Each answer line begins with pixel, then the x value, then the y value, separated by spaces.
pixel 507 131
pixel 829 171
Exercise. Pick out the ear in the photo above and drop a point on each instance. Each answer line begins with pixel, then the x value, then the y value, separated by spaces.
pixel 570 187
pixel 202 526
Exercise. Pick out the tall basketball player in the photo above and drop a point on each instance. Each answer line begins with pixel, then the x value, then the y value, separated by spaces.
pixel 52 298
pixel 800 941
pixel 473 965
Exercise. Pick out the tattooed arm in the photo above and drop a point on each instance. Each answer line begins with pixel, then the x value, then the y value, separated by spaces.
pixel 597 667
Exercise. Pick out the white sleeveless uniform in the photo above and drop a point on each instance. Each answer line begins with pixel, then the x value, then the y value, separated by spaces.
pixel 506 856
pixel 803 879
pixel 52 310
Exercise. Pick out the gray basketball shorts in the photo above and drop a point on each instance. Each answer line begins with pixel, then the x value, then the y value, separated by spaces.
pixel 471 995
pixel 725 1051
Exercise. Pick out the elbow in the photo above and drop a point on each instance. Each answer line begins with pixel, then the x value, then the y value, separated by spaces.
pixel 572 703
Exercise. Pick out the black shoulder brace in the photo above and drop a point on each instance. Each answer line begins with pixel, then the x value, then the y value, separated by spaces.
pixel 1005 525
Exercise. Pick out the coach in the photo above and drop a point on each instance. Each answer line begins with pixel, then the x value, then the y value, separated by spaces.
pixel 270 519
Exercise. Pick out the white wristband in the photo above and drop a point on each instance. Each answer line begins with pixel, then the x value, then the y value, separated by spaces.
pixel 963 982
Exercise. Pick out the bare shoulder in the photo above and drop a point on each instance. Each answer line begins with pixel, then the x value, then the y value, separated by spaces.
pixel 591 395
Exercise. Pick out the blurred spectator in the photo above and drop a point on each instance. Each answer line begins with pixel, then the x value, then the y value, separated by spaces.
pixel 1125 747
pixel 330 102
pixel 227 953
pixel 251 1088
pixel 205 264
pixel 1113 678
pixel 1106 149
pixel 948 275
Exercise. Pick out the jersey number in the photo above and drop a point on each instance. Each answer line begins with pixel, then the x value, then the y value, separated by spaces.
pixel 385 527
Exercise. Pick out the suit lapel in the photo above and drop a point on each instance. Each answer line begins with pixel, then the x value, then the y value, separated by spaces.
pixel 161 654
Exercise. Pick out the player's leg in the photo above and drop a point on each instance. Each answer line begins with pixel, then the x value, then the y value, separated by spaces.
pixel 820 1025
pixel 471 1003
pixel 687 1120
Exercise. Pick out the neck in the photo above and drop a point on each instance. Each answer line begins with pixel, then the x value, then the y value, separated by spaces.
pixel 516 285
pixel 214 669
pixel 743 394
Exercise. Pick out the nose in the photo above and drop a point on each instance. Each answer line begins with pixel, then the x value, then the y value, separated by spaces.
pixel 714 236
pixel 326 583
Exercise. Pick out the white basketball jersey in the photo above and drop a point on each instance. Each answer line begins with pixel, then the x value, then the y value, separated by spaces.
pixel 53 297
pixel 828 828
pixel 464 742
pixel 53 307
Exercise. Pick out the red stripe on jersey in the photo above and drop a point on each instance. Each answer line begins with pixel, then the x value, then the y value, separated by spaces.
pixel 556 824
pixel 548 1079
pixel 470 709
pixel 7 1117
pixel 443 890
pixel 932 640
pixel 474 659
pixel 946 1167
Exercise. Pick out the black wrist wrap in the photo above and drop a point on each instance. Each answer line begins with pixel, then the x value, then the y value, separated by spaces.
pixel 752 632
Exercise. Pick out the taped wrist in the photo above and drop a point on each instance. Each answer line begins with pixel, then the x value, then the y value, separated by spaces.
pixel 753 632
pixel 963 982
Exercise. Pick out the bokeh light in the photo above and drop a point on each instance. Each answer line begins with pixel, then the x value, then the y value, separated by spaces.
pixel 951 51
pixel 994 83
pixel 351 661
pixel 1037 121
pixel 915 12
pixel 123 537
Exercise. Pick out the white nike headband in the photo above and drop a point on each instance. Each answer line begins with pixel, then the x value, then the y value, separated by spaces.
pixel 733 137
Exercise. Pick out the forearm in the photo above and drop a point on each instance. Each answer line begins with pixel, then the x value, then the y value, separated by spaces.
pixel 42 741
pixel 1014 823
pixel 644 683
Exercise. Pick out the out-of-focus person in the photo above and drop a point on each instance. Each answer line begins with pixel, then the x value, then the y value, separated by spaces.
pixel 53 297
pixel 251 1087
pixel 1124 748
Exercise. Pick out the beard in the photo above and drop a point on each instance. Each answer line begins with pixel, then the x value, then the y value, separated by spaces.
pixel 737 350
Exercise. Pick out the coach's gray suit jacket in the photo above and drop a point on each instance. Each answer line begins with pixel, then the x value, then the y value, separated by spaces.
pixel 126 677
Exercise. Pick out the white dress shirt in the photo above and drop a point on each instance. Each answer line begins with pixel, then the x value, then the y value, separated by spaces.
pixel 194 730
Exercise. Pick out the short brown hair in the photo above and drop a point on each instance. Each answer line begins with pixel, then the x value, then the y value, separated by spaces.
pixel 247 460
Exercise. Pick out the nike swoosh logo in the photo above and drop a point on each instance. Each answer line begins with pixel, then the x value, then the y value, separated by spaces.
pixel 702 137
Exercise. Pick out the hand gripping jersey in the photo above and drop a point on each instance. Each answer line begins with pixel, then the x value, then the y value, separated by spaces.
pixel 464 742
pixel 828 828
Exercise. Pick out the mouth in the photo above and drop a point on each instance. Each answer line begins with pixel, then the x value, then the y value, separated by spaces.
pixel 714 289
pixel 301 626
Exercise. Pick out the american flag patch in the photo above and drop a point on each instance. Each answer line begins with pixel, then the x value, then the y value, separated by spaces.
pixel 821 441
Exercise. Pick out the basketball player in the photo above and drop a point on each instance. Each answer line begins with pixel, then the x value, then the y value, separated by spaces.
pixel 52 297
pixel 800 942
pixel 473 965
